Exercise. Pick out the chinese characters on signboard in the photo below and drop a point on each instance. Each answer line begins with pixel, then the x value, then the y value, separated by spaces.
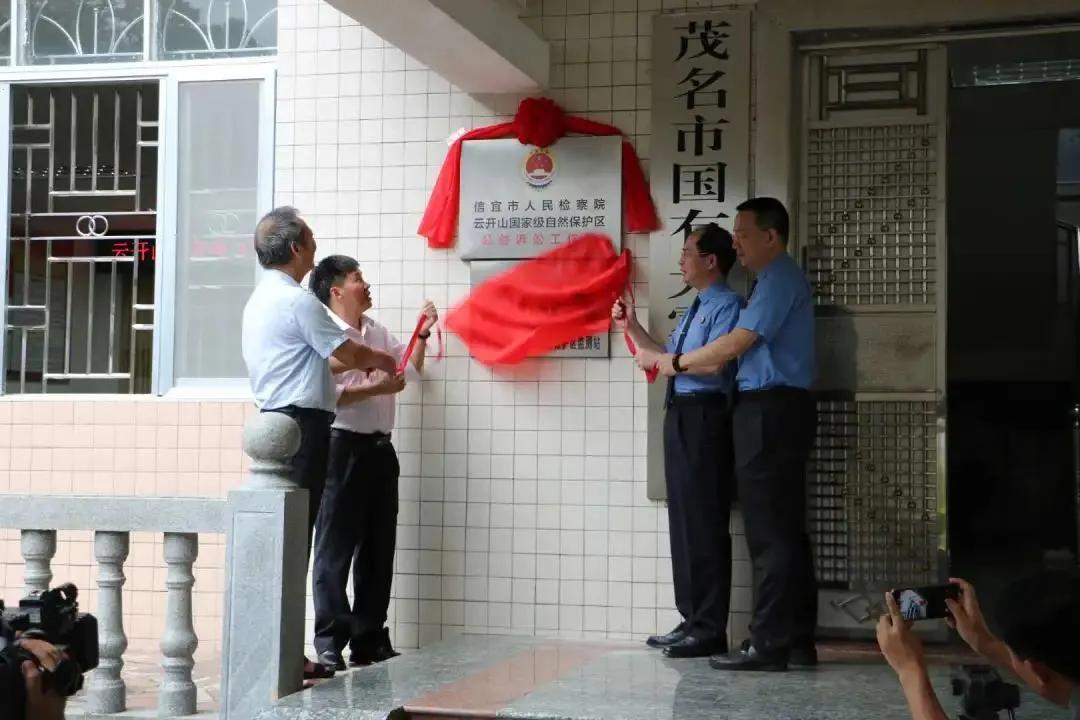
pixel 518 201
pixel 539 227
pixel 700 156
pixel 701 137
pixel 591 342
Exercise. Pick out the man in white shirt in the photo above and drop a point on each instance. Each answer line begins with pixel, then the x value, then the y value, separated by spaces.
pixel 288 339
pixel 357 522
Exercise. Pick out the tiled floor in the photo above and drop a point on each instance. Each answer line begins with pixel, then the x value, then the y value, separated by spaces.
pixel 536 679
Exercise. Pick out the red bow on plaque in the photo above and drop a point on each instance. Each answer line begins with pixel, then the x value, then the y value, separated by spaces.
pixel 541 303
pixel 539 122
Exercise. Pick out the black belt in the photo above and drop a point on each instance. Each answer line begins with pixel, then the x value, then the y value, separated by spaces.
pixel 378 439
pixel 699 398
pixel 776 391
pixel 295 411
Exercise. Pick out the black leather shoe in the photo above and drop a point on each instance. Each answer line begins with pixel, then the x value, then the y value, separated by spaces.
pixel 693 647
pixel 331 660
pixel 361 656
pixel 372 648
pixel 803 654
pixel 750 658
pixel 663 641
pixel 386 649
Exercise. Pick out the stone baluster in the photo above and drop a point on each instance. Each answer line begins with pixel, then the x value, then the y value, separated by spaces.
pixel 178 694
pixel 106 692
pixel 265 574
pixel 38 548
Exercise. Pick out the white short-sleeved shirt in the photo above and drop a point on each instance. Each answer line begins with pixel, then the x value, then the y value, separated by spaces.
pixel 288 337
pixel 375 414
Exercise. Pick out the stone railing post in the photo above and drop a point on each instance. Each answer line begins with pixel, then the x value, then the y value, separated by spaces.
pixel 178 643
pixel 265 574
pixel 107 692
pixel 38 548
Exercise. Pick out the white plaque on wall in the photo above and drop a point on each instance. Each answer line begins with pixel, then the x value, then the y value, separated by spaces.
pixel 518 201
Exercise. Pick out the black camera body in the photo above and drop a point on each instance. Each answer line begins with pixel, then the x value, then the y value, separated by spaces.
pixel 53 616
pixel 983 693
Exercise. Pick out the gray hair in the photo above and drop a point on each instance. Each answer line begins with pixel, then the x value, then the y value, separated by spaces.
pixel 275 234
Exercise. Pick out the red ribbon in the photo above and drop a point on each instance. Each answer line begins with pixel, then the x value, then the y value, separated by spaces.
pixel 541 303
pixel 650 373
pixel 415 338
pixel 540 122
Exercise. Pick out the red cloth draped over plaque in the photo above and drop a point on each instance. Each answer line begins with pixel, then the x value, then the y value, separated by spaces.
pixel 541 303
pixel 539 122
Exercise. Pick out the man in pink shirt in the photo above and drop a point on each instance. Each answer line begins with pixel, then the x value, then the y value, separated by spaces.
pixel 357 521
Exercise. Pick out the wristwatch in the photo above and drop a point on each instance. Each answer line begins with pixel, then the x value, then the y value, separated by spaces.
pixel 675 363
pixel 424 335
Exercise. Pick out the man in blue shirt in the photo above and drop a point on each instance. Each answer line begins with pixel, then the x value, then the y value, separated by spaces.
pixel 774 422
pixel 697 449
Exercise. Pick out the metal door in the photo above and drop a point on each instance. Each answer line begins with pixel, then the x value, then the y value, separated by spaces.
pixel 872 224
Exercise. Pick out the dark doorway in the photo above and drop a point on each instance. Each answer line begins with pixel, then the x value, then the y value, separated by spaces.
pixel 1013 205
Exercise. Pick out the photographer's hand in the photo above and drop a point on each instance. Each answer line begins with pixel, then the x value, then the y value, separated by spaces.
pixel 903 650
pixel 967 619
pixel 900 646
pixel 48 655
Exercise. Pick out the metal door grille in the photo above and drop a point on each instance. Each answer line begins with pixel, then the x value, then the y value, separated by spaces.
pixel 873 493
pixel 871 208
pixel 892 494
pixel 828 470
pixel 83 248
pixel 871 213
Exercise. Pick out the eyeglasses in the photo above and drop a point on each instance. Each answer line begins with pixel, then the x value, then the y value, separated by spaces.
pixel 687 253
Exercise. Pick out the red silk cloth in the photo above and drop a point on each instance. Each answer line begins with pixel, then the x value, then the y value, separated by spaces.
pixel 539 122
pixel 541 303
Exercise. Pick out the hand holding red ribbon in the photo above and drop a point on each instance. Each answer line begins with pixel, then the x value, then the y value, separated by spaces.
pixel 421 322
pixel 650 373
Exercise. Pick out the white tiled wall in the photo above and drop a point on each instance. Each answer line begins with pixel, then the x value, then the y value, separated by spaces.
pixel 523 499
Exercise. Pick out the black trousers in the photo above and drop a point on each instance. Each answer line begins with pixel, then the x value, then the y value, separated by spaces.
pixel 309 463
pixel 357 526
pixel 774 431
pixel 698 473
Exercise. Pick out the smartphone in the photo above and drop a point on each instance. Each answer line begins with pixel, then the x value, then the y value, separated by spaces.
pixel 925 603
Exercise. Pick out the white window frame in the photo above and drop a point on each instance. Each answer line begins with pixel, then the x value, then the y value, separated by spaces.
pixel 169 75
pixel 165 380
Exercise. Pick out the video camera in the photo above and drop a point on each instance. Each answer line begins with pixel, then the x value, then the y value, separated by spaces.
pixel 983 693
pixel 53 616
